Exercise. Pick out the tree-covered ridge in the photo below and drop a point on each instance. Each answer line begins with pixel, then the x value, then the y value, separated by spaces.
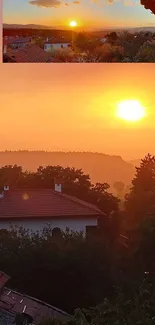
pixel 101 167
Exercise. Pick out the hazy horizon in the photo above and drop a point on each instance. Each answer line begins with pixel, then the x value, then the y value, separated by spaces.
pixel 71 152
pixel 101 29
pixel 87 13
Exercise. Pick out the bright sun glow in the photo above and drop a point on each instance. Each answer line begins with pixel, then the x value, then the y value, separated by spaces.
pixel 131 110
pixel 73 23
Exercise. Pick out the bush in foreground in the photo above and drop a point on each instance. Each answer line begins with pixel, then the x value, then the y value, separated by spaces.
pixel 139 310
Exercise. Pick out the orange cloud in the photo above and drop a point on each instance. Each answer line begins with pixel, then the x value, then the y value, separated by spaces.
pixel 45 3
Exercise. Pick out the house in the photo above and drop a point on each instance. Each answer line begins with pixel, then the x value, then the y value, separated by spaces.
pixel 15 43
pixel 36 208
pixel 29 54
pixel 13 303
pixel 56 43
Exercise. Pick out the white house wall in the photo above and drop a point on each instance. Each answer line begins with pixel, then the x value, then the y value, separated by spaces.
pixel 55 46
pixel 73 224
pixel 58 45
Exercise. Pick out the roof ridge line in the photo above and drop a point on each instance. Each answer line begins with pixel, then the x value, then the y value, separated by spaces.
pixel 82 202
pixel 38 300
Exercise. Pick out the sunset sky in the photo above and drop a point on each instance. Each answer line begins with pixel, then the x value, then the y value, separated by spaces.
pixel 87 13
pixel 67 108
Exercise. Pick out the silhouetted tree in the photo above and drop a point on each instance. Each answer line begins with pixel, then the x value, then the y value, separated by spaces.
pixel 109 53
pixel 146 52
pixel 112 37
pixel 121 310
pixel 141 198
pixel 82 41
pixel 10 175
pixel 67 263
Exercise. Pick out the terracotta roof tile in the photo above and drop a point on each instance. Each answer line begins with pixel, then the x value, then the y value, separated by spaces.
pixel 57 42
pixel 15 302
pixel 20 40
pixel 43 203
pixel 30 53
pixel 58 39
pixel 3 279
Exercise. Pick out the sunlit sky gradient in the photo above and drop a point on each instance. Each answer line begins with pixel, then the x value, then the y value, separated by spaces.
pixel 87 13
pixel 67 108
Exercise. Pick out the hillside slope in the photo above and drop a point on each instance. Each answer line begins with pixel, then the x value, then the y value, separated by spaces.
pixel 100 167
pixel 135 162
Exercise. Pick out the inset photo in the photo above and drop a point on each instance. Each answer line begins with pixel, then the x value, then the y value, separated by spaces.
pixel 78 31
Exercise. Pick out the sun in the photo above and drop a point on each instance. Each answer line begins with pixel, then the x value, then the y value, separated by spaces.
pixel 131 110
pixel 73 23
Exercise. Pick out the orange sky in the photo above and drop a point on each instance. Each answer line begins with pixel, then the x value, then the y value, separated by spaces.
pixel 88 13
pixel 73 107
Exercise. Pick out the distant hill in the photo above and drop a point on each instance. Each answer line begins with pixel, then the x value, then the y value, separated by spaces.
pixel 135 162
pixel 42 32
pixel 142 29
pixel 12 30
pixel 100 167
pixel 98 31
pixel 28 26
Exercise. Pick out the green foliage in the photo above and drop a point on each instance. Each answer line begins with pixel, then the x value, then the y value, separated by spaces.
pixel 112 37
pixel 140 200
pixel 63 55
pixel 82 41
pixel 109 53
pixel 67 263
pixel 139 310
pixel 146 52
pixel 125 47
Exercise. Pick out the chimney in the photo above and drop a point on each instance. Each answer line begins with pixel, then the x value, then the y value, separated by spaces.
pixel 6 187
pixel 58 187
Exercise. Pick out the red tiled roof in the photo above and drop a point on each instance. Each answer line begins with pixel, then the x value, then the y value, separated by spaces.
pixel 16 40
pixel 3 279
pixel 6 42
pixel 57 42
pixel 43 203
pixel 20 40
pixel 31 53
pixel 16 302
